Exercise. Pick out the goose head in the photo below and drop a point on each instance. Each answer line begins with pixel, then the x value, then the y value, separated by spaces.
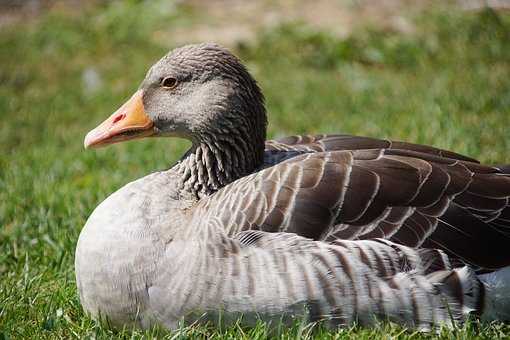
pixel 197 92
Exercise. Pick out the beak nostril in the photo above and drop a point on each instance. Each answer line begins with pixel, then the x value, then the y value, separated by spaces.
pixel 118 118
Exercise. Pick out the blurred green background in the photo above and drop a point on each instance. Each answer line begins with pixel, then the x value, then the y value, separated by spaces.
pixel 432 72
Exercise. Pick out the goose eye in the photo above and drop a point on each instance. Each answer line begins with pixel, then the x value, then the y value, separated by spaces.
pixel 169 82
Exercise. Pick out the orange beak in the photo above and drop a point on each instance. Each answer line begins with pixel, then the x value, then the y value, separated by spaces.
pixel 129 122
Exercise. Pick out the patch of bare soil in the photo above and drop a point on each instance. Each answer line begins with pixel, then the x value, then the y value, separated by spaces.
pixel 230 21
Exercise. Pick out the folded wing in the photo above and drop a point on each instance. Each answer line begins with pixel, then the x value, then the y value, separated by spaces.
pixel 410 196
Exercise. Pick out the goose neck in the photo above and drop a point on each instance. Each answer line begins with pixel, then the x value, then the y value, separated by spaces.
pixel 214 161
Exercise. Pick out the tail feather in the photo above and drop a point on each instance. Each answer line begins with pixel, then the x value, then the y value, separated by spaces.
pixel 497 295
pixel 462 290
pixel 504 168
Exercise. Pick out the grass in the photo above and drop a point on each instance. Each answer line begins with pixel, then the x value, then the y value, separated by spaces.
pixel 446 84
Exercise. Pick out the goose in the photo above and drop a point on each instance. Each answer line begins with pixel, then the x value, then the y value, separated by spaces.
pixel 336 228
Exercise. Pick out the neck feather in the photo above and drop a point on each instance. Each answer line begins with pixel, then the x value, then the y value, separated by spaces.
pixel 215 160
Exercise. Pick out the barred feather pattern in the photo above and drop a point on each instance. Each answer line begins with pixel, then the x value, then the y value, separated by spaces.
pixel 249 250
pixel 138 270
pixel 319 187
pixel 205 275
pixel 327 227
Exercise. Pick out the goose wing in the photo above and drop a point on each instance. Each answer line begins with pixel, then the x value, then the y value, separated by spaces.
pixel 407 196
pixel 360 280
pixel 339 142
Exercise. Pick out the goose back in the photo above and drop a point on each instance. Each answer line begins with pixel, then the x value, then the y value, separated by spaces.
pixel 324 188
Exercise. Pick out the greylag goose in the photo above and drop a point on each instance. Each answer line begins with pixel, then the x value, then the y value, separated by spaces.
pixel 330 227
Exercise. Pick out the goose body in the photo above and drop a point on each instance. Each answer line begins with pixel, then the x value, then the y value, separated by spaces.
pixel 333 227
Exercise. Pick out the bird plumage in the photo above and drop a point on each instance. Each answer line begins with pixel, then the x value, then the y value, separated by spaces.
pixel 347 187
pixel 329 227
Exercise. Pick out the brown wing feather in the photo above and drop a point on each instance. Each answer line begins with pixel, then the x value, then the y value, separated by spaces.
pixel 336 142
pixel 414 198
